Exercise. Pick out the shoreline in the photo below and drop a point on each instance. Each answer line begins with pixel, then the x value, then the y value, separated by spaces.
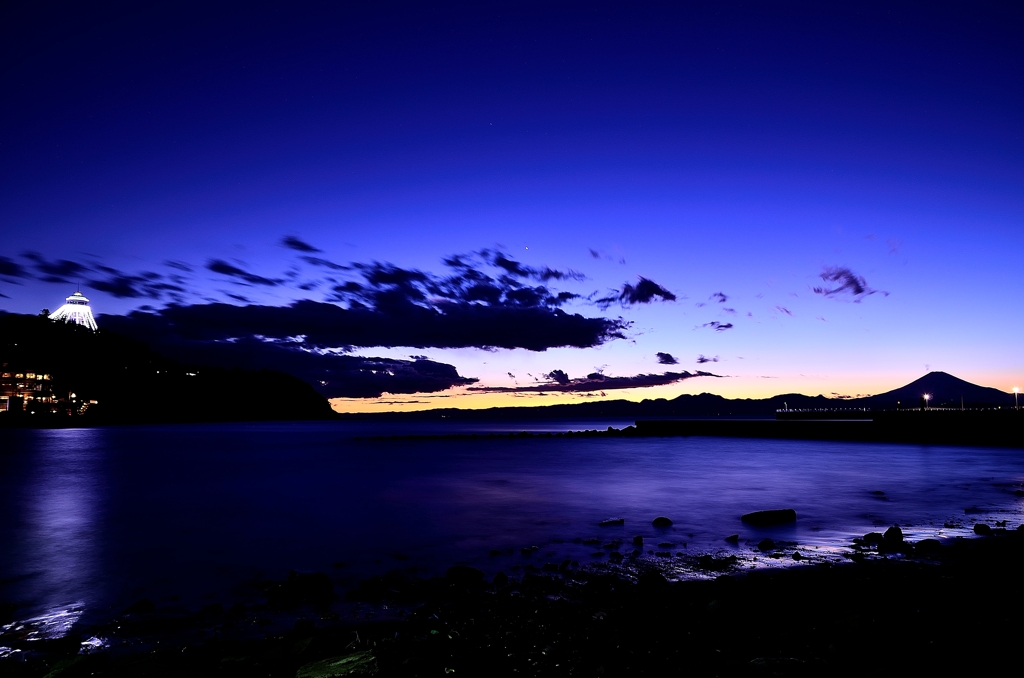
pixel 891 602
pixel 944 429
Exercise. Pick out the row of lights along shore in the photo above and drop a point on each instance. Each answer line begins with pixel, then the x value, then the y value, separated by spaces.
pixel 1016 390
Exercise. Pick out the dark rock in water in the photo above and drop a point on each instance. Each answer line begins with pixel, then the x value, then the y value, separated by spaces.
pixel 928 545
pixel 549 567
pixel 661 521
pixel 983 530
pixel 878 493
pixel 612 521
pixel 666 544
pixel 528 550
pixel 873 538
pixel 638 540
pixel 615 557
pixel 464 574
pixel 565 565
pixel 733 539
pixel 652 581
pixel 314 587
pixel 972 510
pixel 769 518
pixel 894 535
pixel 144 606
pixel 500 580
pixel 663 554
pixel 303 627
pixel 211 610
pixel 766 545
pixel 1019 493
pixel 495 552
pixel 798 556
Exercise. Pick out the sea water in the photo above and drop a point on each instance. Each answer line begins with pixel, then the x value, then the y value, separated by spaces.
pixel 93 519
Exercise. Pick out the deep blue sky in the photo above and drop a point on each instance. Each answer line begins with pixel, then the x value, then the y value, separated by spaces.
pixel 741 148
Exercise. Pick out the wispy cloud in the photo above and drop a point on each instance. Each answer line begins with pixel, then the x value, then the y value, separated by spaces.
pixel 844 283
pixel 644 292
pixel 595 382
pixel 294 243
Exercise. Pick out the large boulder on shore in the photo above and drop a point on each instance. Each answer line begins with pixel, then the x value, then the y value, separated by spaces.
pixel 464 575
pixel 769 518
pixel 894 535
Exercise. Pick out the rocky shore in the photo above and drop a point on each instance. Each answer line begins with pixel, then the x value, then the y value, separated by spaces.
pixel 885 606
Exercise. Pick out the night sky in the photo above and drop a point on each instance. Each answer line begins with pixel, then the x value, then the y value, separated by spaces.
pixel 513 204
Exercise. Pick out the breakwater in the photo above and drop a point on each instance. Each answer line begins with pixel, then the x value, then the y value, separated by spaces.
pixel 1001 428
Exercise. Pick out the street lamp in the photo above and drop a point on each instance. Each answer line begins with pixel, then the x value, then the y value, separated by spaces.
pixel 1016 390
pixel 927 397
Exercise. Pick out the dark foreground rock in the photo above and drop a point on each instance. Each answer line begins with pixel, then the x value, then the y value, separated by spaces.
pixel 910 617
pixel 769 518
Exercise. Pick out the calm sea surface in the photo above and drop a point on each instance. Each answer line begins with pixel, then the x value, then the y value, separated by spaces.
pixel 101 517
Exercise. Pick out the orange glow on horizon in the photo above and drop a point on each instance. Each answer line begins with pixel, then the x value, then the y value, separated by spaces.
pixel 728 387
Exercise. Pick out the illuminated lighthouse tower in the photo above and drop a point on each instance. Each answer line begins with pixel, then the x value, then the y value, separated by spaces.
pixel 76 310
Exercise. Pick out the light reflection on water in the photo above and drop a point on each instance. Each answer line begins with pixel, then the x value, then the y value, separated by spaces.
pixel 51 539
pixel 107 516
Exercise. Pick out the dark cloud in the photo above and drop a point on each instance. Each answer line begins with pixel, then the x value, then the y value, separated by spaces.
pixel 146 285
pixel 644 292
pixel 667 359
pixel 558 376
pixel 717 326
pixel 701 359
pixel 783 309
pixel 232 271
pixel 846 282
pixel 293 243
pixel 180 265
pixel 58 270
pixel 12 269
pixel 596 382
pixel 392 321
pixel 719 297
pixel 324 263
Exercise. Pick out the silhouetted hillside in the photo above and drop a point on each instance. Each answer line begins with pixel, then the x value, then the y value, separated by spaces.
pixel 131 383
pixel 945 389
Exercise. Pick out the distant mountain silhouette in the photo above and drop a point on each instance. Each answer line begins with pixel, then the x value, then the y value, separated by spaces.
pixel 945 391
